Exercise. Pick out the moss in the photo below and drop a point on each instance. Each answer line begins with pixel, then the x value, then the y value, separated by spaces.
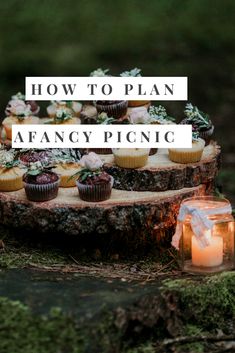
pixel 209 302
pixel 23 331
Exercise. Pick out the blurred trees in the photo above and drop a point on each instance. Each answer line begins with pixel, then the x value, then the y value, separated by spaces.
pixel 195 38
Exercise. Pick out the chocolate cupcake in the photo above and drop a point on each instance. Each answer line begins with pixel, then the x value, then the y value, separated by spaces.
pixel 200 121
pixel 153 151
pixel 40 184
pixel 103 119
pixel 31 156
pixel 94 185
pixel 115 109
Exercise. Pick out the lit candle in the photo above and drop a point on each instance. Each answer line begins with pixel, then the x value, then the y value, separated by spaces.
pixel 211 255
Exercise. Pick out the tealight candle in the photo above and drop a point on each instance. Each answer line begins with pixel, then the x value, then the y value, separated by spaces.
pixel 209 256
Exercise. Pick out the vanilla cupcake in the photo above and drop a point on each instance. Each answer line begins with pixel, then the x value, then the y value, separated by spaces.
pixel 18 113
pixel 141 116
pixel 10 173
pixel 131 157
pixel 188 155
pixel 74 108
pixel 66 173
pixel 66 166
pixel 64 116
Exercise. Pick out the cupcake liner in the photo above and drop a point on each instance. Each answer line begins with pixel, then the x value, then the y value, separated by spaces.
pixel 95 193
pixel 12 182
pixel 43 192
pixel 185 157
pixel 115 110
pixel 131 161
pixel 206 135
pixel 101 150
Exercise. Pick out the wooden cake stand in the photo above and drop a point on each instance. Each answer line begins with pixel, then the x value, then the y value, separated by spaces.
pixel 143 205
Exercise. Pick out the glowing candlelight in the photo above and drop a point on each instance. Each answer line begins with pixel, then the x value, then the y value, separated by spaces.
pixel 210 256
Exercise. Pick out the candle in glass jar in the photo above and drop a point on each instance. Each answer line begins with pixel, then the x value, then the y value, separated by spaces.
pixel 211 255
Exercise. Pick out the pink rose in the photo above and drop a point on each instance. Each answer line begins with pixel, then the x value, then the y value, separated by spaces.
pixel 18 107
pixel 139 116
pixel 91 161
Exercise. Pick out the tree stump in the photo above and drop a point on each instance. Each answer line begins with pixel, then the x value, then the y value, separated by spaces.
pixel 129 219
pixel 161 174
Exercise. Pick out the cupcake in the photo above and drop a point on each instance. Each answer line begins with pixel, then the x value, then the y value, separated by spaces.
pixel 141 116
pixel 74 108
pixel 94 185
pixel 115 109
pixel 18 112
pixel 131 157
pixel 34 107
pixel 200 122
pixel 66 165
pixel 40 183
pixel 27 156
pixel 103 119
pixel 188 155
pixel 134 73
pixel 10 173
pixel 64 116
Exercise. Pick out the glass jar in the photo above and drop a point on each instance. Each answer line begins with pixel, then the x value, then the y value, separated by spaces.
pixel 217 254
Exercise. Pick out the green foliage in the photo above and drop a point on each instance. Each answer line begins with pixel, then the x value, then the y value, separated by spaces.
pixel 22 331
pixel 197 117
pixel 208 303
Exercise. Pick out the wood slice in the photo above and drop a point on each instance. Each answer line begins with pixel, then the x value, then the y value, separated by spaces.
pixel 161 174
pixel 124 213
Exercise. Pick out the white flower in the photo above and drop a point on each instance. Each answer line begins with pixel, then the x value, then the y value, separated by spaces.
pixel 139 116
pixel 99 72
pixel 35 165
pixel 132 73
pixel 91 161
pixel 18 96
pixel 63 113
pixel 6 157
pixel 18 107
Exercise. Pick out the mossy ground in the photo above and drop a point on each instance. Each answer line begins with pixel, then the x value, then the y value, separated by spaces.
pixel 204 305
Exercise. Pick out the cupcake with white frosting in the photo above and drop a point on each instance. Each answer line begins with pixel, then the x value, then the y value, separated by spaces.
pixel 188 155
